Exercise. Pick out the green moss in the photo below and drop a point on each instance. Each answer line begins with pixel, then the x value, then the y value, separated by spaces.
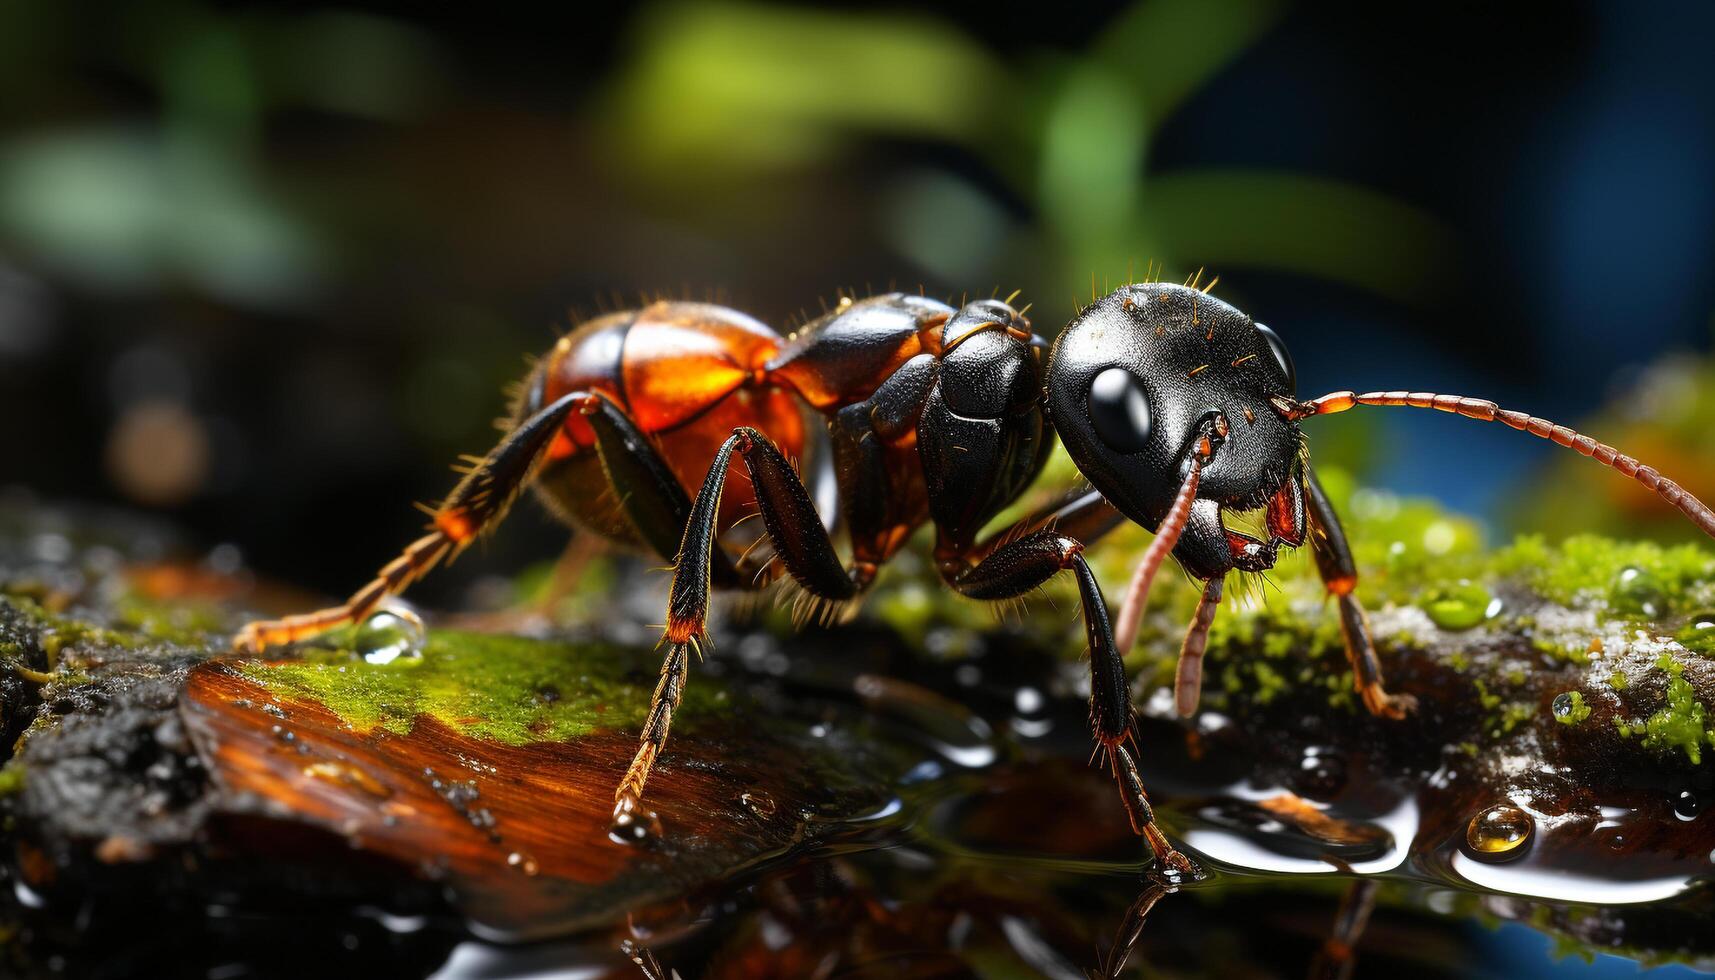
pixel 1270 683
pixel 1512 715
pixel 1636 579
pixel 1489 701
pixel 56 632
pixel 507 689
pixel 11 779
pixel 1571 652
pixel 1617 679
pixel 186 624
pixel 1679 723
pixel 1698 633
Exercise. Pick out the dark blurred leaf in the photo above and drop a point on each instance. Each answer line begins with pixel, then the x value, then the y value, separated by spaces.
pixel 1300 224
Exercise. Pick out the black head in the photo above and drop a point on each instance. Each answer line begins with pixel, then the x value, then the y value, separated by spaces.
pixel 1132 377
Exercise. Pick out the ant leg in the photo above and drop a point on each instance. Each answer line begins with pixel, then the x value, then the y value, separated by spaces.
pixel 1014 569
pixel 1340 574
pixel 799 537
pixel 479 502
pixel 1338 955
pixel 649 493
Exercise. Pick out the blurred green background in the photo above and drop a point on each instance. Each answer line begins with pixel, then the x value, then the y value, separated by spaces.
pixel 266 269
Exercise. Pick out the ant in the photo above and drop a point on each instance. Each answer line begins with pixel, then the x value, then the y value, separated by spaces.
pixel 1175 406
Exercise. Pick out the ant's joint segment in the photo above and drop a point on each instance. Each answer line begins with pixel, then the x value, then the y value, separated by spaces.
pixel 863 573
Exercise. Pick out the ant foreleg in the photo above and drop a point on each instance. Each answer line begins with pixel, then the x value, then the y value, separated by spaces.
pixel 1340 574
pixel 479 502
pixel 1018 567
pixel 801 540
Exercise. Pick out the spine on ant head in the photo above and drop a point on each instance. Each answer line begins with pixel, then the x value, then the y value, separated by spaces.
pixel 1560 435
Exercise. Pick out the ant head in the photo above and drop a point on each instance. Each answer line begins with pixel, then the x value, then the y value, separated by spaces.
pixel 1135 377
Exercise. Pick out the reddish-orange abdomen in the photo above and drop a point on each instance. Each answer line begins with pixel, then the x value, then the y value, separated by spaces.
pixel 686 374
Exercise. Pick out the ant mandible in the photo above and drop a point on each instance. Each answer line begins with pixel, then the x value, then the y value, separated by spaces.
pixel 1174 405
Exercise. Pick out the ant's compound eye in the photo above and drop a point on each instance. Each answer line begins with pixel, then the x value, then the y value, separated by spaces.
pixel 1120 411
pixel 1281 357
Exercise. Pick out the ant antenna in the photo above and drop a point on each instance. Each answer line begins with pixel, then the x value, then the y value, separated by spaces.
pixel 1488 411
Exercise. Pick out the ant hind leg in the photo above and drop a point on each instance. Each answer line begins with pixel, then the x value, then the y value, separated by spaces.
pixel 801 541
pixel 478 503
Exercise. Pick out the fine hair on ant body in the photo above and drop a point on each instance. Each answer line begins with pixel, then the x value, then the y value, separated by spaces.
pixel 1175 406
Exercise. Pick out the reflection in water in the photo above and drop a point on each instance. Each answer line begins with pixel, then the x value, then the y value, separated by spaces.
pixel 1303 838
pixel 1131 930
pixel 1338 955
pixel 1563 885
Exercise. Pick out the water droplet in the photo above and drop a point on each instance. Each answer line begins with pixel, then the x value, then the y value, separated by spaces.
pixel 632 824
pixel 1028 700
pixel 1569 707
pixel 1686 805
pixel 523 862
pixel 1637 591
pixel 393 633
pixel 1699 633
pixel 1461 606
pixel 1323 771
pixel 760 804
pixel 1499 833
